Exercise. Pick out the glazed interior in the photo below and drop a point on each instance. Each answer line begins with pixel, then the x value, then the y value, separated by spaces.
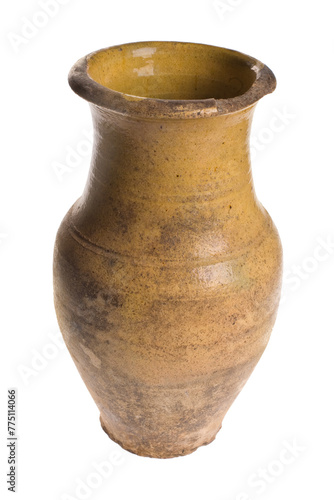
pixel 173 70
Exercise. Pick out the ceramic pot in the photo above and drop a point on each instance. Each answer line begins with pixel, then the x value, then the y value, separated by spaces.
pixel 167 270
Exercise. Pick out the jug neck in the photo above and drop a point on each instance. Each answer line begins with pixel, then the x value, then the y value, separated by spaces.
pixel 177 160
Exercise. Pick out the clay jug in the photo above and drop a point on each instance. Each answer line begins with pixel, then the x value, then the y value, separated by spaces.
pixel 167 270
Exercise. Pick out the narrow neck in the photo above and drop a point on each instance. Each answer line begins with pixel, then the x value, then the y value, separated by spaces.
pixel 169 160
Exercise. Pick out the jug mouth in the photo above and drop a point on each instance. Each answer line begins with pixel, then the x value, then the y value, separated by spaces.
pixel 171 79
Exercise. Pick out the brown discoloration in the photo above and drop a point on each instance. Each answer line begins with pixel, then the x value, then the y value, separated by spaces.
pixel 167 271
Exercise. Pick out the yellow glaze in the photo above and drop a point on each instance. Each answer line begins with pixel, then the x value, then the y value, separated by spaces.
pixel 167 270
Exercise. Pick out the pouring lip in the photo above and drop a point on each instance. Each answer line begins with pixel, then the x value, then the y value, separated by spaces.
pixel 155 108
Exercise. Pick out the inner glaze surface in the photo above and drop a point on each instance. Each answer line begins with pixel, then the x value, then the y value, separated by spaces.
pixel 187 72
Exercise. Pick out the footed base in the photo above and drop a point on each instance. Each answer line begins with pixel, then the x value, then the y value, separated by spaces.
pixel 158 452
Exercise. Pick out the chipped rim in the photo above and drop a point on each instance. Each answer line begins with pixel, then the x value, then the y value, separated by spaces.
pixel 148 107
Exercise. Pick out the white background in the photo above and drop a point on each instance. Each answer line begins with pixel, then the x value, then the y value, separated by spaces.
pixel 288 401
